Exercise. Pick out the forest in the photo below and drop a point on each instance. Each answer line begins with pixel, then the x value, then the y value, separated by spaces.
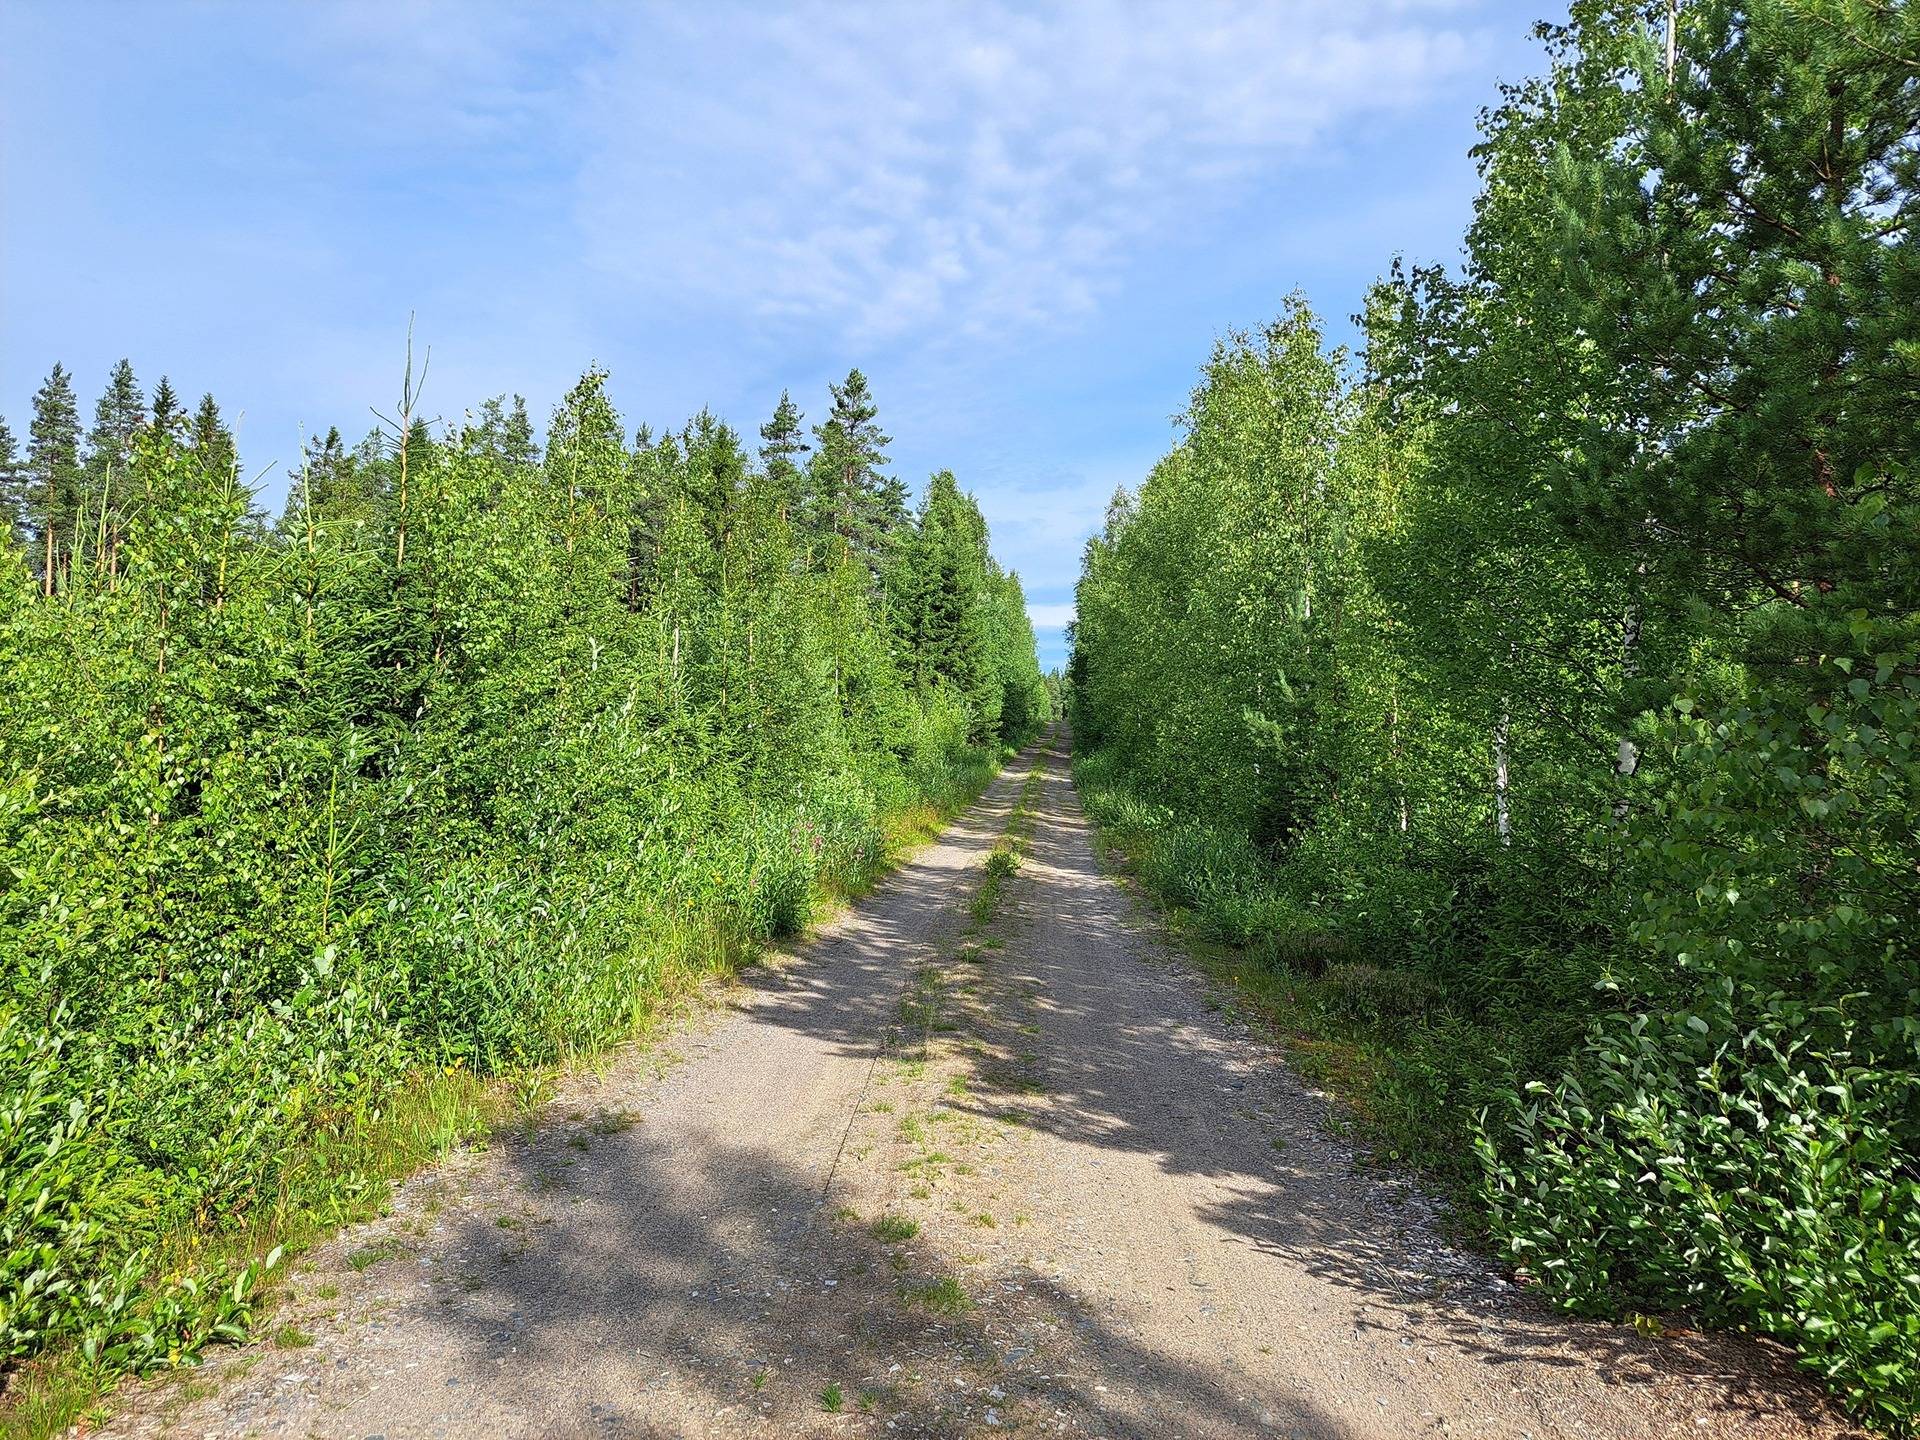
pixel 1531 697
pixel 463 765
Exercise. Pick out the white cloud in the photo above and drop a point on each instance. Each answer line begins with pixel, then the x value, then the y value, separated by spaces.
pixel 725 198
pixel 979 168
pixel 870 172
pixel 1050 617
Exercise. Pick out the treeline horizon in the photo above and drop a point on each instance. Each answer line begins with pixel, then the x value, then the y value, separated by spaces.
pixel 465 763
pixel 1534 696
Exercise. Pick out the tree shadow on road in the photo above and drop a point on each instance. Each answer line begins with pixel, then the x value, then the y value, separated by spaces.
pixel 1129 1059
pixel 609 1276
pixel 645 1291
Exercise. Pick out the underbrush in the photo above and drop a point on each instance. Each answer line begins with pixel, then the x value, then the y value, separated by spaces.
pixel 1411 1070
pixel 157 1174
pixel 1681 1134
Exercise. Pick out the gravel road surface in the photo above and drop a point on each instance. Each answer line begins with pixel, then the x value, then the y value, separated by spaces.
pixel 1006 1168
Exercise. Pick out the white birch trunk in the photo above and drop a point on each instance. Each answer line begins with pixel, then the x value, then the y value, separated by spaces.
pixel 1628 759
pixel 1502 808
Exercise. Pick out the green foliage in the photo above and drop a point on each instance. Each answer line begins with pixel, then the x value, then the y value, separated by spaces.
pixel 453 770
pixel 1770 1107
pixel 960 622
pixel 1725 1160
pixel 1540 700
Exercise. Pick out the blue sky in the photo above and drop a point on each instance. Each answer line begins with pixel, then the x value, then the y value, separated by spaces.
pixel 1027 224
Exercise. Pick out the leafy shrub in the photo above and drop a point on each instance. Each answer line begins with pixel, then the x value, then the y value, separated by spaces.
pixel 76 1227
pixel 52 1214
pixel 459 780
pixel 1723 1162
pixel 1772 1115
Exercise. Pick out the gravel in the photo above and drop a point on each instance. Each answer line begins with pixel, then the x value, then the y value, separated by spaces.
pixel 1109 1241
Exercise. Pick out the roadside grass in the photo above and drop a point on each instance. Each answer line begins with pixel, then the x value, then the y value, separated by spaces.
pixel 1005 857
pixel 942 1296
pixel 1387 1066
pixel 345 1174
pixel 368 1256
pixel 1003 860
pixel 613 1122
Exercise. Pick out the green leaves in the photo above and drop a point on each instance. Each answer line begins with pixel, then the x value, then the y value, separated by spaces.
pixel 1563 665
pixel 458 766
pixel 1779 1158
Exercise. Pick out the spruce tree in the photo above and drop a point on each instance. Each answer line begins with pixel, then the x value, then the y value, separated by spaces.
pixel 488 434
pixel 55 480
pixel 166 408
pixel 332 483
pixel 519 449
pixel 850 496
pixel 716 470
pixel 505 435
pixel 117 418
pixel 653 483
pixel 942 602
pixel 212 441
pixel 13 484
pixel 783 447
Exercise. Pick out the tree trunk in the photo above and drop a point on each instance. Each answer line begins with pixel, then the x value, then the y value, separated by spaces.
pixel 1502 809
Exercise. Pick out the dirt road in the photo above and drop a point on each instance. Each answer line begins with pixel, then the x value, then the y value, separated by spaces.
pixel 942 1173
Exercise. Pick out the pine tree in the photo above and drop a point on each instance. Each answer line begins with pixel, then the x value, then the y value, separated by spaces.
pixel 56 482
pixel 1728 245
pixel 783 447
pixel 850 497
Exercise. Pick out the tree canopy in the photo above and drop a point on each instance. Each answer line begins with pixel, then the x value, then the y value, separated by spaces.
pixel 1541 686
pixel 455 766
